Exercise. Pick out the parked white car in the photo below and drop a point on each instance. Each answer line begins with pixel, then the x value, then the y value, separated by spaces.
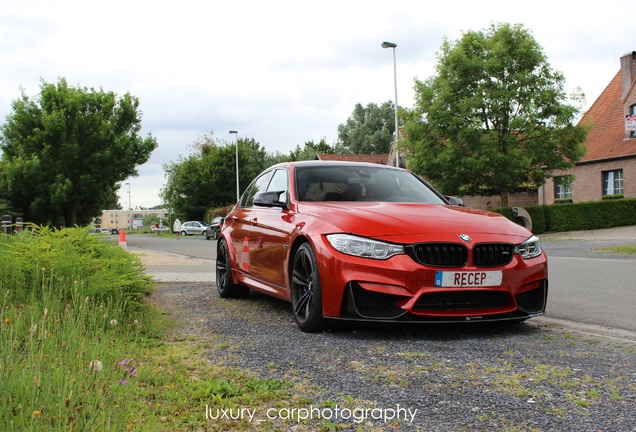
pixel 161 228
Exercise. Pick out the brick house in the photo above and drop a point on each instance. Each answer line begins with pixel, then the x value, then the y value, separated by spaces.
pixel 369 158
pixel 608 169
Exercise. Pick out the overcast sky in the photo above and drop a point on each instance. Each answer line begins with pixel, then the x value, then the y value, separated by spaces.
pixel 280 72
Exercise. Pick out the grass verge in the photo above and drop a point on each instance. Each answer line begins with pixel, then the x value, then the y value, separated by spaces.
pixel 625 249
pixel 81 350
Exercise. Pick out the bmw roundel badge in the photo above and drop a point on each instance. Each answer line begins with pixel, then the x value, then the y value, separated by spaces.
pixel 465 237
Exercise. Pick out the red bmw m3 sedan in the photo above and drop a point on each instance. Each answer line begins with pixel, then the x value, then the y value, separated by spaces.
pixel 368 242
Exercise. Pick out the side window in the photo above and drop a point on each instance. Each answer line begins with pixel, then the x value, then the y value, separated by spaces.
pixel 258 185
pixel 563 188
pixel 632 111
pixel 279 183
pixel 613 182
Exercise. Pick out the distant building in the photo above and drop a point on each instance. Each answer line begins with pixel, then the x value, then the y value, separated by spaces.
pixel 122 219
pixel 608 169
pixel 369 158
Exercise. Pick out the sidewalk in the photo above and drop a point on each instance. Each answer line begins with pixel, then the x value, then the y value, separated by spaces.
pixel 168 267
pixel 618 233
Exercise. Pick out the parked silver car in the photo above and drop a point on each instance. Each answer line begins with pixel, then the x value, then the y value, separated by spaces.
pixel 193 228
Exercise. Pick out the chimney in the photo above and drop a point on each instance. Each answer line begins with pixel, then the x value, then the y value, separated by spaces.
pixel 628 71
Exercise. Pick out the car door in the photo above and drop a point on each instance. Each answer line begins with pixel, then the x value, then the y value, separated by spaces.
pixel 269 242
pixel 258 233
pixel 242 228
pixel 185 227
pixel 200 227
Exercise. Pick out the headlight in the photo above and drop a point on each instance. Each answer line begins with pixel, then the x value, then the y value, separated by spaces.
pixel 530 248
pixel 363 247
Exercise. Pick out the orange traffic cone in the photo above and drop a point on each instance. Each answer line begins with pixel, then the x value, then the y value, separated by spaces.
pixel 122 239
pixel 245 257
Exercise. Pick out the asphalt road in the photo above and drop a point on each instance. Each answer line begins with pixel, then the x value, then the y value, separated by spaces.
pixel 588 288
pixel 192 246
pixel 593 291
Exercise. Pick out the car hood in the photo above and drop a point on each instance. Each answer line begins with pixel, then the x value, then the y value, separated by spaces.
pixel 415 222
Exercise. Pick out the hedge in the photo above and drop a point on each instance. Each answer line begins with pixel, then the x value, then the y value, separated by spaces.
pixel 578 216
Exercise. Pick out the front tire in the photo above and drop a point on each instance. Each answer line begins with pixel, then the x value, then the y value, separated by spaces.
pixel 306 292
pixel 225 285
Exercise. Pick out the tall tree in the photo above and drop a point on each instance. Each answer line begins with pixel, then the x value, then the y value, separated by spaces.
pixel 207 178
pixel 369 130
pixel 66 151
pixel 495 117
pixel 310 150
pixel 5 198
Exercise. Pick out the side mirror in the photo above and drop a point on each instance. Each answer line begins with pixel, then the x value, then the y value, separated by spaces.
pixel 455 201
pixel 270 199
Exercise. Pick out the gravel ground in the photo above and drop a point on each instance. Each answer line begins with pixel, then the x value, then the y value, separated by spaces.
pixel 528 377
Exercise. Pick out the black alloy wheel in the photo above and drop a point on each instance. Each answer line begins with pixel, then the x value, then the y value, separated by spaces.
pixel 306 293
pixel 225 285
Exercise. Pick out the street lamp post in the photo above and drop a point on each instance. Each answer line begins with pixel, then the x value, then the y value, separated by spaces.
pixel 237 167
pixel 397 153
pixel 128 212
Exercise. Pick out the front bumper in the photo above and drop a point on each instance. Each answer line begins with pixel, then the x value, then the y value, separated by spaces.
pixel 444 306
pixel 402 290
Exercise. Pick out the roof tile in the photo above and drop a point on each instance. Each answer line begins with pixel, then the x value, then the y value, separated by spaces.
pixel 606 140
pixel 369 158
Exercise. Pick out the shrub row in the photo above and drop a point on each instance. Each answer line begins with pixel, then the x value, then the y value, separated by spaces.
pixel 578 216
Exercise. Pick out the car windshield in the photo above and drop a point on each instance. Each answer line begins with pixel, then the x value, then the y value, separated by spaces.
pixel 361 183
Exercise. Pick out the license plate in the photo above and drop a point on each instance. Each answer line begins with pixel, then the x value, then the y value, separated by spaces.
pixel 467 279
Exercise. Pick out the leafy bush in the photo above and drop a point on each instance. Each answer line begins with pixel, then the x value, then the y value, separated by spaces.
pixel 67 256
pixel 81 351
pixel 219 211
pixel 579 216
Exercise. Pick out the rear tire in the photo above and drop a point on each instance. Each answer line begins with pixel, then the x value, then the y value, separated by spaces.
pixel 225 285
pixel 306 292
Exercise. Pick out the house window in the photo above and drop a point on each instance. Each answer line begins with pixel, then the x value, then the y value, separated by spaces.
pixel 632 111
pixel 563 188
pixel 613 182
